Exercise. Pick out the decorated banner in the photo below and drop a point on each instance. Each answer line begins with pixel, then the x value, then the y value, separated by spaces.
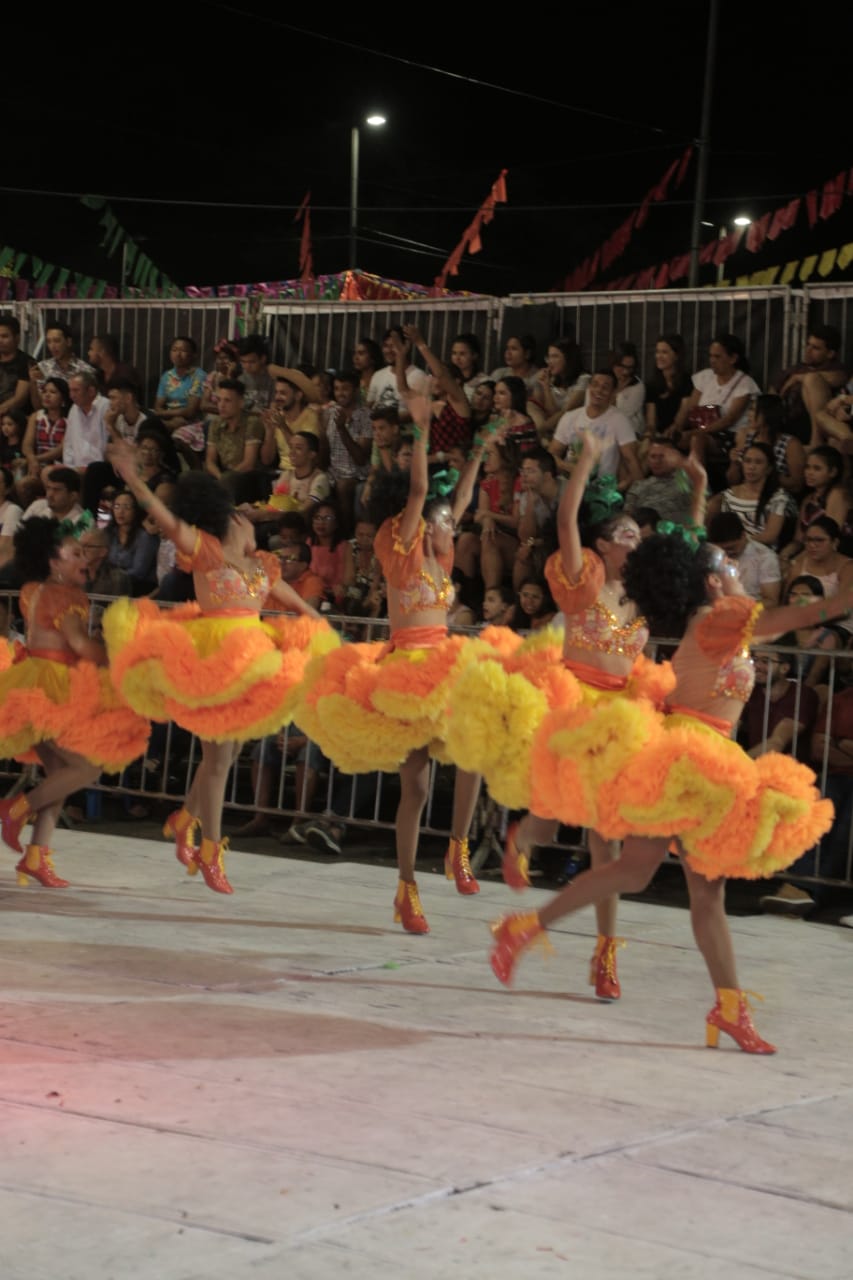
pixel 471 236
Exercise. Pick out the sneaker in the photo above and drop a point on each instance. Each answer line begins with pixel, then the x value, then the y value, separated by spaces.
pixel 788 900
pixel 323 837
pixel 295 834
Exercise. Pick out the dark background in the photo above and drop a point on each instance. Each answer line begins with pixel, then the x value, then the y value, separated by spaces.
pixel 228 104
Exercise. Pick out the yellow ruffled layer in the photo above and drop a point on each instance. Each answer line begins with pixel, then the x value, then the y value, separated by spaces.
pixel 224 679
pixel 75 707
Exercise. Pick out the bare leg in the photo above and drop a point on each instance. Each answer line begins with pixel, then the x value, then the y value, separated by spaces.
pixel 209 785
pixel 414 785
pixel 710 927
pixel 602 852
pixel 534 831
pixel 66 773
pixel 466 790
pixel 629 874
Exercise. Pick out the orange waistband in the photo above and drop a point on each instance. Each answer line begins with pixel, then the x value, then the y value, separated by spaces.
pixel 417 638
pixel 54 655
pixel 594 676
pixel 713 722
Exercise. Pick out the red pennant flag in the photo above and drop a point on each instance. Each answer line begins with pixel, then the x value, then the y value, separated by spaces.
pixel 706 253
pixel 659 192
pixel 471 236
pixel 679 267
pixel 662 277
pixel 306 257
pixel 683 166
pixel 811 208
pixel 833 196
pixel 726 246
pixel 783 219
pixel 757 233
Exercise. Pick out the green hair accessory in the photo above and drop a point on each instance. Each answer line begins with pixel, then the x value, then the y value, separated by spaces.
pixel 602 498
pixel 442 483
pixel 69 528
pixel 694 534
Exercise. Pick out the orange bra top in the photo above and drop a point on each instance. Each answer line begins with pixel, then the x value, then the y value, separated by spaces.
pixel 589 622
pixel 725 634
pixel 407 569
pixel 220 585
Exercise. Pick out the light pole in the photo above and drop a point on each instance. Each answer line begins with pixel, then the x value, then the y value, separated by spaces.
pixel 740 221
pixel 375 121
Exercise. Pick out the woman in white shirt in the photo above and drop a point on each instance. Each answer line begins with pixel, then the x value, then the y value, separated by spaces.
pixel 725 387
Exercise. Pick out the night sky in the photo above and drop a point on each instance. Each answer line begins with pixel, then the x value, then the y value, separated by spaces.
pixel 220 103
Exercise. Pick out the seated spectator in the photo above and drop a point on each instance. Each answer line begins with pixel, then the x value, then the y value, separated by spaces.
pixel 821 559
pixel 665 488
pixel 328 550
pixel 291 530
pixel 125 420
pixel 534 607
pixel 46 427
pixel 758 566
pixel 129 547
pixel 124 416
pixel 465 353
pixel 104 358
pixel 482 404
pixel 293 410
pixel 765 425
pixel 833 425
pixel 668 387
pixel 562 383
pixel 296 571
pixel 451 424
pixel 349 433
pixel 15 367
pixel 511 413
pixel 829 636
pixel 383 392
pixel 156 457
pixel 61 361
pixel 302 485
pixel 10 515
pixel 537 511
pixel 806 388
pixel 760 501
pixel 102 578
pixel 465 605
pixel 258 382
pixel 493 543
pixel 234 440
pixel 86 431
pixel 520 358
pixel 788 713
pixel 13 427
pixel 630 397
pixel 383 454
pixel 62 494
pixel 178 401
pixel 363 582
pixel 619 456
pixel 367 359
pixel 226 364
pixel 721 397
pixel 827 494
pixel 499 606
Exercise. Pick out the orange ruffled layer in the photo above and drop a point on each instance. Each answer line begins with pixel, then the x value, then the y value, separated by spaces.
pixel 368 706
pixel 222 678
pixel 77 708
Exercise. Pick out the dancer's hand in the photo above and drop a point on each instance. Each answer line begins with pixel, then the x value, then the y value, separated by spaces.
pixel 123 458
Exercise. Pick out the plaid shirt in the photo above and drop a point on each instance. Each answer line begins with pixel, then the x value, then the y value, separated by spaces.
pixel 341 465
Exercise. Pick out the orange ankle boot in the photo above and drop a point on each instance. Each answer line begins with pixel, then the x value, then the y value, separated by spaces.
pixel 180 826
pixel 14 814
pixel 37 864
pixel 407 908
pixel 515 865
pixel 208 860
pixel 731 1014
pixel 457 866
pixel 602 968
pixel 514 934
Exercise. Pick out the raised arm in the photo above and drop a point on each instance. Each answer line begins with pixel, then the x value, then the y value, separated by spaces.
pixel 419 408
pixel 571 551
pixel 464 490
pixel 791 617
pixel 448 386
pixel 123 458
pixel 698 477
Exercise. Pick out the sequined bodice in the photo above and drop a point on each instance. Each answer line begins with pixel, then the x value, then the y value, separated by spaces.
pixel 736 677
pixel 426 592
pixel 227 587
pixel 599 629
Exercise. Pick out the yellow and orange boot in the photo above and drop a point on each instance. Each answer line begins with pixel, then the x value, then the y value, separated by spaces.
pixel 37 864
pixel 514 934
pixel 731 1014
pixel 457 866
pixel 602 968
pixel 208 859
pixel 515 865
pixel 407 908
pixel 181 826
pixel 14 814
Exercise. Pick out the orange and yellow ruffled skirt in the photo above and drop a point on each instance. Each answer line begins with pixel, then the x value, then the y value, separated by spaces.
pixel 368 706
pixel 74 707
pixel 225 679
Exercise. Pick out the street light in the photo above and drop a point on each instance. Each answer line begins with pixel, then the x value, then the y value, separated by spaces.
pixel 375 121
pixel 740 221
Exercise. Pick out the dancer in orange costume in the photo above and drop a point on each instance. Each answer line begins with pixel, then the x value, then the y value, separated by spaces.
pixel 214 667
pixel 384 706
pixel 56 699
pixel 733 815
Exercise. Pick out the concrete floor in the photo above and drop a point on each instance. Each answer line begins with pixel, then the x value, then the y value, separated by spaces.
pixel 284 1084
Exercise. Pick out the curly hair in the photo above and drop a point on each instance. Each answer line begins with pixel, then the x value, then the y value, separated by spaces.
pixel 36 543
pixel 665 577
pixel 204 502
pixel 388 497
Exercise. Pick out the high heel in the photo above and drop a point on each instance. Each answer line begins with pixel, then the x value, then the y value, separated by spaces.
pixel 37 864
pixel 208 860
pixel 14 814
pixel 180 826
pixel 407 908
pixel 457 866
pixel 602 968
pixel 731 1014
pixel 514 934
pixel 515 864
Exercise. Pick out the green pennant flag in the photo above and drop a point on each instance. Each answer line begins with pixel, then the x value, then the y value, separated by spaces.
pixel 118 236
pixel 61 280
pixel 130 252
pixel 44 274
pixel 93 202
pixel 6 256
pixel 83 283
pixel 99 289
pixel 141 269
pixel 18 264
pixel 109 222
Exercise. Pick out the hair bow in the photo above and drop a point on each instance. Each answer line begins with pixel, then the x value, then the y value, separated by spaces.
pixel 691 533
pixel 602 498
pixel 442 483
pixel 69 528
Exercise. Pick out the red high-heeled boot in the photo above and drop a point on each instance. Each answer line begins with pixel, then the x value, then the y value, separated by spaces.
pixel 180 826
pixel 207 859
pixel 515 864
pixel 602 968
pixel 457 866
pixel 37 864
pixel 14 814
pixel 731 1014
pixel 514 934
pixel 407 908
